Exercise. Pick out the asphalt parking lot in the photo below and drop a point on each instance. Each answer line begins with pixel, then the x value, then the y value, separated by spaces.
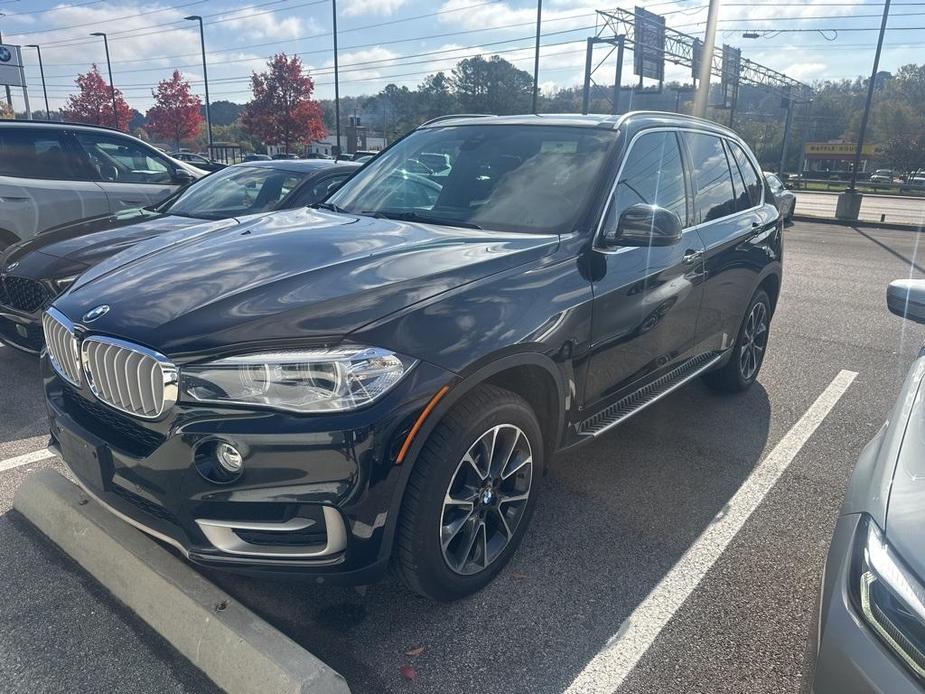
pixel 613 519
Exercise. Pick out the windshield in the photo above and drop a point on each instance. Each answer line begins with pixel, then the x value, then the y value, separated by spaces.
pixel 235 191
pixel 504 177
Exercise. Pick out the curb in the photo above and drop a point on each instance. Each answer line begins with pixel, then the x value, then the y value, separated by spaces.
pixel 845 223
pixel 234 647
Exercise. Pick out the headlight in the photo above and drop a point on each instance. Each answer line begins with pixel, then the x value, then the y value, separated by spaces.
pixel 889 596
pixel 312 380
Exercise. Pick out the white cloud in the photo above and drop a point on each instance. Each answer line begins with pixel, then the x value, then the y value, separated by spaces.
pixel 263 25
pixel 356 8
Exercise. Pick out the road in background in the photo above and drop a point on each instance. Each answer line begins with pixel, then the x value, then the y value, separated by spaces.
pixel 613 519
pixel 893 209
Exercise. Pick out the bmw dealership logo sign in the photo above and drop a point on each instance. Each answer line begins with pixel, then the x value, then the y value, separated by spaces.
pixel 5 54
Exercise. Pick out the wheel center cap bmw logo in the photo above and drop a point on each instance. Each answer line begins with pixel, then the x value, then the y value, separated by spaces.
pixel 95 313
pixel 5 54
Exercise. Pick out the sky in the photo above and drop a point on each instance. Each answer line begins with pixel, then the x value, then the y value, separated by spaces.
pixel 401 41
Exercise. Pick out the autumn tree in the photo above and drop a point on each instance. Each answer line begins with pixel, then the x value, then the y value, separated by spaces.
pixel 93 103
pixel 176 114
pixel 282 111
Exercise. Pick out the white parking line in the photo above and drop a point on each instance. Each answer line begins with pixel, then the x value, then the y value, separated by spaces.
pixel 609 668
pixel 25 459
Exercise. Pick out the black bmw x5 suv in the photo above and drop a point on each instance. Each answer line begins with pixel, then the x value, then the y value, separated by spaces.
pixel 382 379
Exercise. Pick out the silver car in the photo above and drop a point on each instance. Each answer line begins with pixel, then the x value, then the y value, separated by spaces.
pixel 871 628
pixel 54 173
pixel 785 200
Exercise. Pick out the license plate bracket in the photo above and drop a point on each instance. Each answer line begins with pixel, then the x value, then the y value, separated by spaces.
pixel 86 456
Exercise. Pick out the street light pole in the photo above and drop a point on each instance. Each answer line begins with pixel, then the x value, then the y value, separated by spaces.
pixel 706 61
pixel 42 73
pixel 205 77
pixel 536 55
pixel 870 96
pixel 112 86
pixel 336 82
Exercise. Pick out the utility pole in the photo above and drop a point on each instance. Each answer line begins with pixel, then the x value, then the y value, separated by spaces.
pixel 586 91
pixel 336 82
pixel 849 201
pixel 788 122
pixel 205 77
pixel 706 61
pixel 536 55
pixel 112 86
pixel 42 73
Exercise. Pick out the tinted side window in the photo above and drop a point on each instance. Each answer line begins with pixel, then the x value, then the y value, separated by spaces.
pixel 749 175
pixel 37 154
pixel 317 191
pixel 652 175
pixel 120 160
pixel 713 193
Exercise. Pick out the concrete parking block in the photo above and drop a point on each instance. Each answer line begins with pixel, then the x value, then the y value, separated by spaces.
pixel 229 643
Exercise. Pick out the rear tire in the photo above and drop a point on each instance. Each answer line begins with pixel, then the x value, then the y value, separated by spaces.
pixel 469 500
pixel 741 370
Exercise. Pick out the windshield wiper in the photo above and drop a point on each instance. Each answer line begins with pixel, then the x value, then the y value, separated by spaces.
pixel 413 216
pixel 330 207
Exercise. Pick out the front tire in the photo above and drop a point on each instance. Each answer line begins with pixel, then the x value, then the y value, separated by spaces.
pixel 742 369
pixel 470 496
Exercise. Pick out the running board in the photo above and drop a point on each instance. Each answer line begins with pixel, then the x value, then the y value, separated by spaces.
pixel 645 396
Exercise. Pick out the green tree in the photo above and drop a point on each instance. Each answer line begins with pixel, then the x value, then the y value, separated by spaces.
pixel 492 86
pixel 436 96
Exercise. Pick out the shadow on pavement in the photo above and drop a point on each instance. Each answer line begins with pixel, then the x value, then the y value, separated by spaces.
pixel 19 373
pixel 612 519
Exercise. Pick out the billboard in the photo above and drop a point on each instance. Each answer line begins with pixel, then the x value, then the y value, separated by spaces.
pixel 838 150
pixel 732 60
pixel 649 51
pixel 11 73
pixel 696 57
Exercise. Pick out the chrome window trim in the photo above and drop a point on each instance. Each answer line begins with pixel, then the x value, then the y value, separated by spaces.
pixel 169 372
pixel 675 129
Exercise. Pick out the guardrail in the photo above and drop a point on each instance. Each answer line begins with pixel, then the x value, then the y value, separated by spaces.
pixel 828 185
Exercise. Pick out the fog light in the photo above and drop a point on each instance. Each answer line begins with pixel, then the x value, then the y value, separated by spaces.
pixel 229 457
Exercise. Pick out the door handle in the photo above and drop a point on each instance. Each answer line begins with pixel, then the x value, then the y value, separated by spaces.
pixel 691 256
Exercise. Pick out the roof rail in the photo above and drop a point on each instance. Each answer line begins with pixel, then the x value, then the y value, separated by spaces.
pixel 450 116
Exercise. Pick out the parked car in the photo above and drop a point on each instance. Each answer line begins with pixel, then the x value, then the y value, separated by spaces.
pixel 784 199
pixel 53 173
pixel 881 176
pixel 383 379
pixel 871 618
pixel 199 161
pixel 255 157
pixel 319 155
pixel 362 158
pixel 284 155
pixel 33 272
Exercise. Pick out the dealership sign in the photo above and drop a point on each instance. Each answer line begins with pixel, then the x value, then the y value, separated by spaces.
pixel 11 72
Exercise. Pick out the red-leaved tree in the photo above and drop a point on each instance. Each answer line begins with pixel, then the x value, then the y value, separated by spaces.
pixel 93 104
pixel 176 113
pixel 282 111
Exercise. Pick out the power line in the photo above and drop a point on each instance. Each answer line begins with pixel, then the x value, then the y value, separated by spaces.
pixel 113 19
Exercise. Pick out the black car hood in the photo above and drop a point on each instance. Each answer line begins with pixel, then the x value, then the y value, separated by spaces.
pixel 87 244
pixel 285 277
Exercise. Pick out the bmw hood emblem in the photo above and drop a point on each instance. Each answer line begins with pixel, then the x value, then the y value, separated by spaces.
pixel 95 313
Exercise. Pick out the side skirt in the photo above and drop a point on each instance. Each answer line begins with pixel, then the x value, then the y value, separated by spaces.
pixel 626 407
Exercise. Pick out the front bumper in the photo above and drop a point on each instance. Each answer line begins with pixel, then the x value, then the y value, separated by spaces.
pixel 850 658
pixel 319 494
pixel 20 330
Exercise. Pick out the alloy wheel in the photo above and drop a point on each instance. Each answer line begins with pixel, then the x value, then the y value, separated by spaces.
pixel 486 499
pixel 754 341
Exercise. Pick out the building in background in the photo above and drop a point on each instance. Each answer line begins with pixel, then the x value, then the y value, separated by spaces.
pixel 836 156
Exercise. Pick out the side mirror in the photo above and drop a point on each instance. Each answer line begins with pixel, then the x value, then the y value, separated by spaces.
pixel 644 225
pixel 906 298
pixel 182 177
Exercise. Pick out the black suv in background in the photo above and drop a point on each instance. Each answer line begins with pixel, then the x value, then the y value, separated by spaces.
pixel 384 378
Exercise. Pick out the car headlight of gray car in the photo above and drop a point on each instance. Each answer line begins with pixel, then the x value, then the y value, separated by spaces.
pixel 304 381
pixel 889 596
